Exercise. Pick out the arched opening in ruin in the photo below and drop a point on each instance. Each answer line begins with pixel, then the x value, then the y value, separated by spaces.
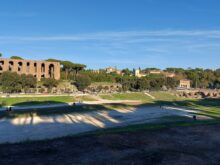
pixel 28 67
pixel 11 65
pixel 42 67
pixel 35 67
pixel 51 71
pixel 20 64
pixel 1 65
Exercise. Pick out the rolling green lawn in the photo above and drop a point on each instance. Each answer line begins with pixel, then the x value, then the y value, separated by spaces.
pixel 165 96
pixel 207 107
pixel 128 96
pixel 85 98
pixel 24 101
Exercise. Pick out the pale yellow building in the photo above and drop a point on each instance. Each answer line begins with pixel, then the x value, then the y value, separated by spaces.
pixel 113 70
pixel 185 84
pixel 137 73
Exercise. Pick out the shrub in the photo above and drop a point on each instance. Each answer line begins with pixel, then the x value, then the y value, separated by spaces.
pixel 82 82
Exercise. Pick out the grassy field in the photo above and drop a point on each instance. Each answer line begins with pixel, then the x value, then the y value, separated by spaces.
pixel 172 122
pixel 207 107
pixel 24 101
pixel 166 96
pixel 128 96
pixel 85 98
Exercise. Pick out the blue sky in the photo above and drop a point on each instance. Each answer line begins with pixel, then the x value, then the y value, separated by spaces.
pixel 121 33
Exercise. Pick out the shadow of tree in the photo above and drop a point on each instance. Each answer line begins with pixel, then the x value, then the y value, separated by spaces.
pixel 67 119
pixel 208 107
pixel 32 103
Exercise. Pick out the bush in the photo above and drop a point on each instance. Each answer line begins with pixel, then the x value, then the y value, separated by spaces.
pixel 82 82
pixel 12 82
pixel 49 83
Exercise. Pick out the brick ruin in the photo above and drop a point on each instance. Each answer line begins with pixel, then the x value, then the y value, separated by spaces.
pixel 39 69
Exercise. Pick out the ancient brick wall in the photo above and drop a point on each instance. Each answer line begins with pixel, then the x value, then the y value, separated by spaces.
pixel 39 69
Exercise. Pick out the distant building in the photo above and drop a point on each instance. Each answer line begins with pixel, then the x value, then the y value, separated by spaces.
pixel 137 73
pixel 39 69
pixel 185 84
pixel 110 70
pixel 113 70
pixel 168 74
pixel 155 72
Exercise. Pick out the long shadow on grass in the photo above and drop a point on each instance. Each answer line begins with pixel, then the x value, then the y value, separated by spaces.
pixel 59 110
pixel 33 103
pixel 49 124
pixel 206 107
pixel 55 122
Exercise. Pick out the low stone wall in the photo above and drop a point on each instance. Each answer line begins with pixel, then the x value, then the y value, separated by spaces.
pixel 199 93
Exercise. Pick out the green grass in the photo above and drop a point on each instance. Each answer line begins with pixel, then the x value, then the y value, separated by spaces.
pixel 207 107
pixel 136 128
pixel 29 101
pixel 166 96
pixel 59 110
pixel 128 96
pixel 86 98
pixel 24 101
pixel 180 122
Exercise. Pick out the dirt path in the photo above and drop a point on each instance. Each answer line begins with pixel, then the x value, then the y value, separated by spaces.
pixel 148 94
pixel 36 127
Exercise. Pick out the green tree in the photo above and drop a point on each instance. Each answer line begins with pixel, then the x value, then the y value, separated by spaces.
pixel 70 67
pixel 171 82
pixel 143 84
pixel 49 83
pixel 126 72
pixel 16 58
pixel 217 73
pixel 82 82
pixel 10 82
pixel 28 81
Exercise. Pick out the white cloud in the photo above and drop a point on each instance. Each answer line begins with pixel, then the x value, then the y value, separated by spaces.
pixel 127 36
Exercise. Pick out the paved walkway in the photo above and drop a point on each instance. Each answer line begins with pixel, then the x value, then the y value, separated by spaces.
pixel 36 127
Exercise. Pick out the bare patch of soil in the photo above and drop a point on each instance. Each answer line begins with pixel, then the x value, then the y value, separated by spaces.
pixel 180 145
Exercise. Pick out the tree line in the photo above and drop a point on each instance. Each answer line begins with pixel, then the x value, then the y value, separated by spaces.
pixel 82 78
pixel 12 82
